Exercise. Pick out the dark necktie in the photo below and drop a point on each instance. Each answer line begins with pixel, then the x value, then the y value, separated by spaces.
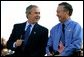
pixel 27 33
pixel 63 35
pixel 63 26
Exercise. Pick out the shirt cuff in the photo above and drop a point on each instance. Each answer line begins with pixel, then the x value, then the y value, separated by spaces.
pixel 14 45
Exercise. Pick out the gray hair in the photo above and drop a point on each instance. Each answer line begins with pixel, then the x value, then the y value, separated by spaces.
pixel 28 9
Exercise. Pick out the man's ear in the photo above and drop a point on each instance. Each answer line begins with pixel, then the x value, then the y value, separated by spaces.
pixel 67 12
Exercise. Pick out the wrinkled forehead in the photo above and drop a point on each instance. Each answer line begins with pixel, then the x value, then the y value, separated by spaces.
pixel 35 9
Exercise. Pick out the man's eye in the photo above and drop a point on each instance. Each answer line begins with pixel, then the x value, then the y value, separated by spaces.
pixel 37 12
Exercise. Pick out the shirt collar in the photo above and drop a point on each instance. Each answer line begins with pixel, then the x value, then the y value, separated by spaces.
pixel 28 24
pixel 67 21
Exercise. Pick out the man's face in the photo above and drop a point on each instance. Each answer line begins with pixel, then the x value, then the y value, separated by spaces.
pixel 34 15
pixel 61 13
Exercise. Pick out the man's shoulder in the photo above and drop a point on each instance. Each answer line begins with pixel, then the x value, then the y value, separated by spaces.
pixel 19 24
pixel 56 26
pixel 74 23
pixel 42 27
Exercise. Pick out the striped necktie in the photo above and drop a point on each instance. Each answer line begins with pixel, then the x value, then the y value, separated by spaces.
pixel 27 33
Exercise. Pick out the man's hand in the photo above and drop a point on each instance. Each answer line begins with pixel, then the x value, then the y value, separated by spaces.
pixel 49 54
pixel 18 42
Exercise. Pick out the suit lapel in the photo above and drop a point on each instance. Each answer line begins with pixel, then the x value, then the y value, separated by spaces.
pixel 22 30
pixel 33 32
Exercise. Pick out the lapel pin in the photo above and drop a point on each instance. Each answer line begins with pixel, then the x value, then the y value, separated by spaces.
pixel 34 32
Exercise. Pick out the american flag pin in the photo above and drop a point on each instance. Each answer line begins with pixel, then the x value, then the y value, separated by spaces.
pixel 34 32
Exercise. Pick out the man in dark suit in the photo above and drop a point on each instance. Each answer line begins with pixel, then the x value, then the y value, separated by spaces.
pixel 37 39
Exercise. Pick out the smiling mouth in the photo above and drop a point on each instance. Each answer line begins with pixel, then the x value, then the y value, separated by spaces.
pixel 38 17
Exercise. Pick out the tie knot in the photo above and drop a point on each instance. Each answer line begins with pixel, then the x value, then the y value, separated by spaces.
pixel 63 25
pixel 29 25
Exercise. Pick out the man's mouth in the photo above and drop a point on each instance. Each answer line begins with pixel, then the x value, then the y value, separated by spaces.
pixel 37 17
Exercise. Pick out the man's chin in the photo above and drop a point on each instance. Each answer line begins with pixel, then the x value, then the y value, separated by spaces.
pixel 60 20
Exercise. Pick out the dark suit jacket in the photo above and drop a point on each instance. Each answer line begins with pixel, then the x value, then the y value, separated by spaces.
pixel 36 43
